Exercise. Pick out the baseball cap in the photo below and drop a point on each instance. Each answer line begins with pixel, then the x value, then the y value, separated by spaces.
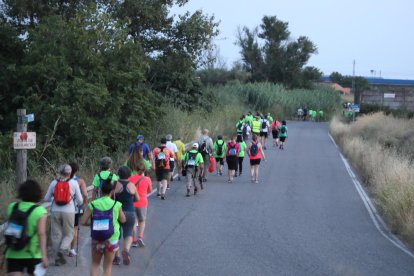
pixel 195 145
pixel 65 169
pixel 140 136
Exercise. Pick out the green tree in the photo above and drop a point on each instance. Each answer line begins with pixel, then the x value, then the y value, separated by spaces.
pixel 280 59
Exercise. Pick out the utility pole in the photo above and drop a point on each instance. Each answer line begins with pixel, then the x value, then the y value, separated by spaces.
pixel 356 94
pixel 21 154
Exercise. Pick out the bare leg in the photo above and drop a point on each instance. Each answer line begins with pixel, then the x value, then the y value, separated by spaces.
pixel 96 261
pixel 107 264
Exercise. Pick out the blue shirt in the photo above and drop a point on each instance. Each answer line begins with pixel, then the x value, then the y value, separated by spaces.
pixel 145 148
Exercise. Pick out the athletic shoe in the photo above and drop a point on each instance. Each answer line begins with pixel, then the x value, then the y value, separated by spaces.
pixel 158 195
pixel 264 148
pixel 201 185
pixel 195 191
pixel 179 178
pixel 163 197
pixel 126 258
pixel 141 242
pixel 72 253
pixel 204 179
pixel 257 181
pixel 229 181
pixel 116 261
pixel 135 244
pixel 61 258
pixel 240 173
pixel 187 195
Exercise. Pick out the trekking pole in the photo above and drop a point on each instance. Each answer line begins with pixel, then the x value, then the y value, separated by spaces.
pixel 77 239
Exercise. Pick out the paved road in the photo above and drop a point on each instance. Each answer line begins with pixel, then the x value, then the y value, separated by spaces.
pixel 305 217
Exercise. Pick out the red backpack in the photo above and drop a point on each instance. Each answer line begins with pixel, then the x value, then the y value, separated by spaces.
pixel 61 193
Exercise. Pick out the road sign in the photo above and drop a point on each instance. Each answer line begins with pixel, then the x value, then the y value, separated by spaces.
pixel 24 140
pixel 354 107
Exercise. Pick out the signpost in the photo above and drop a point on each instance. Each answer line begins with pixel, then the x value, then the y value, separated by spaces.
pixel 354 108
pixel 22 141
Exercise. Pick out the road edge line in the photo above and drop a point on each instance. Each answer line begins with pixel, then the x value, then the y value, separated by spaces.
pixel 372 211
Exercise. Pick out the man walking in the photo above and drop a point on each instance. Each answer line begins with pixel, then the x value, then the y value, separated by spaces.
pixel 193 165
pixel 162 157
pixel 205 147
pixel 64 192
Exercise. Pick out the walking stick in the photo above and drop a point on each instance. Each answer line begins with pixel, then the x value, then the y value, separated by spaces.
pixel 77 240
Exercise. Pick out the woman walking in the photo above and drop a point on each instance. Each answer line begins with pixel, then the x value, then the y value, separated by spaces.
pixel 126 193
pixel 232 153
pixel 106 215
pixel 35 251
pixel 255 152
pixel 242 147
pixel 283 135
pixel 275 132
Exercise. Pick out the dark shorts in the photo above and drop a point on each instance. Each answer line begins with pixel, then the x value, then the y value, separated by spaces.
pixel 275 134
pixel 128 226
pixel 162 174
pixel 263 134
pixel 254 162
pixel 206 159
pixel 19 265
pixel 219 160
pixel 171 166
pixel 232 162
pixel 282 139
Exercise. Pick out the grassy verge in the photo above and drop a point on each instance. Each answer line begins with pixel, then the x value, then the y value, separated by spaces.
pixel 380 148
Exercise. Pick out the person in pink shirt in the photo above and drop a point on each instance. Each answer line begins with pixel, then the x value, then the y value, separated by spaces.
pixel 143 185
pixel 255 152
pixel 232 154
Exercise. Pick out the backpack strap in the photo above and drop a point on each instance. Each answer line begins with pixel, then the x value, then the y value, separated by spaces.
pixel 139 180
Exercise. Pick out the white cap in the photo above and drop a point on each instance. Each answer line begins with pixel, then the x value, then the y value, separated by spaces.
pixel 195 145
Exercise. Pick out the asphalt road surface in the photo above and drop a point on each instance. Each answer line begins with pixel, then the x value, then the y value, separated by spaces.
pixel 305 217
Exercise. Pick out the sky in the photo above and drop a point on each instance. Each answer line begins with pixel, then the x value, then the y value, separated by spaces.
pixel 378 34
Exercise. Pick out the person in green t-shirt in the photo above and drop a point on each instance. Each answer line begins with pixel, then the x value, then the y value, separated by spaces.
pixel 314 115
pixel 104 174
pixel 106 248
pixel 269 117
pixel 35 251
pixel 320 119
pixel 219 154
pixel 194 165
pixel 242 147
pixel 249 118
pixel 239 125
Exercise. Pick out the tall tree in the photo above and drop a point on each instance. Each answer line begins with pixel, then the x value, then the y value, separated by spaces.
pixel 280 59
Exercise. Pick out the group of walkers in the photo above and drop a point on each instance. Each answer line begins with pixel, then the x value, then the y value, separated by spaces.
pixel 119 198
pixel 311 115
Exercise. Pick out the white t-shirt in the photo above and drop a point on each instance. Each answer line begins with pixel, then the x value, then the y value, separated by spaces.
pixel 267 125
pixel 74 192
pixel 173 148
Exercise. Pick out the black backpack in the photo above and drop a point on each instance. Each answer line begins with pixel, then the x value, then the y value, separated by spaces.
pixel 219 148
pixel 264 124
pixel 239 126
pixel 283 129
pixel 102 181
pixel 203 148
pixel 16 234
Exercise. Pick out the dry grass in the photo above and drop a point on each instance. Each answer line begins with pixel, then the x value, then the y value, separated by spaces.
pixel 373 144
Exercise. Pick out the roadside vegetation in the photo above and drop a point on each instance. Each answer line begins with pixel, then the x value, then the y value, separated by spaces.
pixel 381 149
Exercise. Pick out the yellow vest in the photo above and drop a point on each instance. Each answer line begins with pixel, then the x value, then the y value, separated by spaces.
pixel 256 126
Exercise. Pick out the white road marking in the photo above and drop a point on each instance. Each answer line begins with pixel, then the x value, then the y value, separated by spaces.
pixel 373 213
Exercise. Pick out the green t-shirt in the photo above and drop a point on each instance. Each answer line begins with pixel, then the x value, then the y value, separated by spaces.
pixel 313 113
pixel 106 203
pixel 104 175
pixel 280 131
pixel 224 148
pixel 239 126
pixel 270 118
pixel 242 147
pixel 320 113
pixel 198 158
pixel 32 250
pixel 248 119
